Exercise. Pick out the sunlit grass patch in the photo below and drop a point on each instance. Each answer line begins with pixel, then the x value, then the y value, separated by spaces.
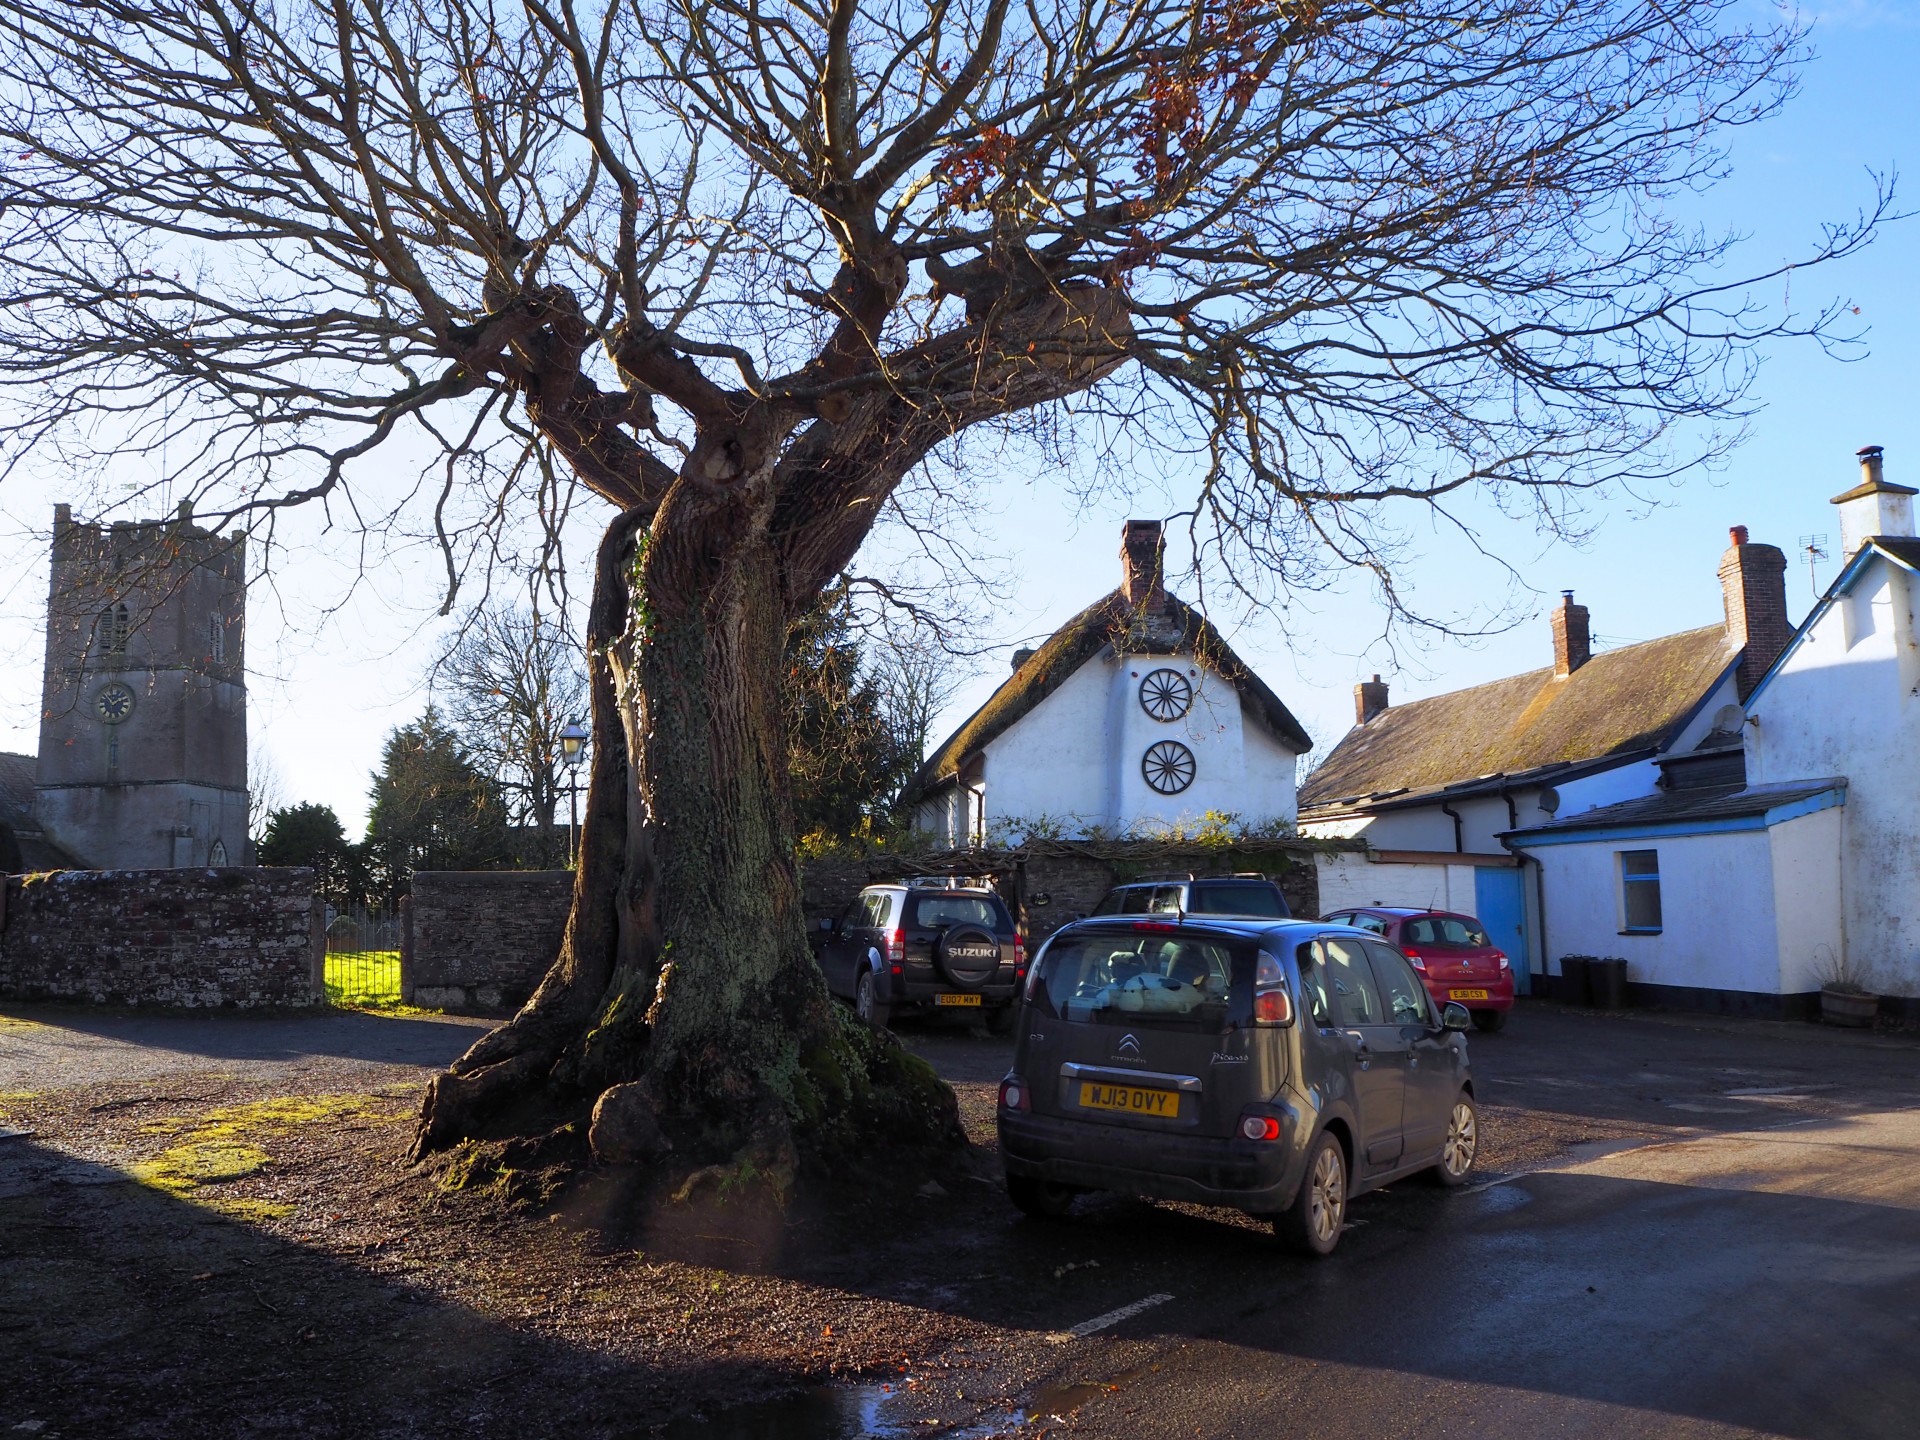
pixel 16 1096
pixel 219 1146
pixel 363 978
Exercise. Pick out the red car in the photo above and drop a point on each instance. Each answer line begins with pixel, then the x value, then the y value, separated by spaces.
pixel 1455 958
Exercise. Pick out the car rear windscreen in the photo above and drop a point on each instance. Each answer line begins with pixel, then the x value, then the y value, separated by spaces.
pixel 1444 932
pixel 1256 899
pixel 938 912
pixel 1152 979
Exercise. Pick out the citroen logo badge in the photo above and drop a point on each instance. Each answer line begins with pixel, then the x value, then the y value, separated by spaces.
pixel 1128 1046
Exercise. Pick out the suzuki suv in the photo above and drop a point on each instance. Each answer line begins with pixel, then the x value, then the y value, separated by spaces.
pixel 1279 1068
pixel 925 946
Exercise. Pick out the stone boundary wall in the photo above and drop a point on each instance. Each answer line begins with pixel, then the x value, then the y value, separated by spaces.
pixel 194 938
pixel 481 939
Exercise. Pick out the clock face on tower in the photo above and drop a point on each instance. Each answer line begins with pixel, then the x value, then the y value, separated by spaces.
pixel 113 703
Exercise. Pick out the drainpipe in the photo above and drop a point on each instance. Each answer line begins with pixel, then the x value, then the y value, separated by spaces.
pixel 1459 834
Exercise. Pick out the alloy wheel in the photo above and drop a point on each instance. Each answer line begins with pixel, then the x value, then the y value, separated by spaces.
pixel 1462 1136
pixel 1327 1203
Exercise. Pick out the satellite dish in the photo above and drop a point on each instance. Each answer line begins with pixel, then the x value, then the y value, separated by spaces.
pixel 1728 719
pixel 1549 800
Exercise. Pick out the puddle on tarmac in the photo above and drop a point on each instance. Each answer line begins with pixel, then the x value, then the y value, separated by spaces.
pixel 825 1413
pixel 828 1412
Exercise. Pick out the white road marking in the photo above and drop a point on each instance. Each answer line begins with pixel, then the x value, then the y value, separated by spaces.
pixel 1108 1320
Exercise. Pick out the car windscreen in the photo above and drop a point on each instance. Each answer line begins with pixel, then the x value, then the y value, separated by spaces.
pixel 1444 932
pixel 1254 898
pixel 939 912
pixel 1150 978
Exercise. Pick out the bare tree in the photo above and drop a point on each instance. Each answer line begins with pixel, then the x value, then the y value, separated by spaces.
pixel 745 266
pixel 513 680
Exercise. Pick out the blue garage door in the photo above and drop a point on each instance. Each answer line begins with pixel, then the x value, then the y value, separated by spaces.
pixel 1499 899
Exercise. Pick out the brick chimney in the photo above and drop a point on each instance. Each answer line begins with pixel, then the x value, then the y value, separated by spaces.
pixel 1369 699
pixel 1572 642
pixel 1874 506
pixel 1753 583
pixel 1142 553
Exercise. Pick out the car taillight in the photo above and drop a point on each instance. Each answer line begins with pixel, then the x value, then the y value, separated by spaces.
pixel 1019 953
pixel 897 949
pixel 1501 956
pixel 1415 959
pixel 1014 1095
pixel 1158 926
pixel 1272 1002
pixel 1255 1127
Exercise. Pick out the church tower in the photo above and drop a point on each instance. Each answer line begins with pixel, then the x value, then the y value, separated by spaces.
pixel 143 723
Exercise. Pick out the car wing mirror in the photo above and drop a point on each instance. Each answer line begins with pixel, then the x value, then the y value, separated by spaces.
pixel 1456 1017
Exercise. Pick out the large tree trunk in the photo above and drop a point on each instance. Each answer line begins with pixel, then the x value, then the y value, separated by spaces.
pixel 685 1005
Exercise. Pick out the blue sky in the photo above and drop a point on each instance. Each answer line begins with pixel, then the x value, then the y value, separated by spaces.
pixel 329 678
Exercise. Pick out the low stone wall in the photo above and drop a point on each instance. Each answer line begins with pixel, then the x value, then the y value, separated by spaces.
pixel 481 939
pixel 198 938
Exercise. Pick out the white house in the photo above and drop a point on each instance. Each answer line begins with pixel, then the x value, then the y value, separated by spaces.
pixel 1434 786
pixel 1745 896
pixel 1134 715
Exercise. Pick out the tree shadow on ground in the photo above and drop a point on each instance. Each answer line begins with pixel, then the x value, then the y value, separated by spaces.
pixel 268 1036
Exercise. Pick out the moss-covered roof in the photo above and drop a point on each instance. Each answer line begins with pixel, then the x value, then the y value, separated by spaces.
pixel 1168 626
pixel 1621 701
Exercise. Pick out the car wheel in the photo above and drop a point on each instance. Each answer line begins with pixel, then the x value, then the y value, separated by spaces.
pixel 868 1005
pixel 1000 1022
pixel 1491 1021
pixel 1311 1225
pixel 1463 1143
pixel 1041 1199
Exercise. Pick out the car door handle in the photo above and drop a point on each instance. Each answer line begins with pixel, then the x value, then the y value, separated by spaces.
pixel 1358 1044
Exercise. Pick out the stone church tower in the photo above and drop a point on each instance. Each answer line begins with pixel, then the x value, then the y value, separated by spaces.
pixel 143 724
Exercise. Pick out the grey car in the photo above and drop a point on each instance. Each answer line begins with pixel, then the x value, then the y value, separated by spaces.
pixel 1279 1068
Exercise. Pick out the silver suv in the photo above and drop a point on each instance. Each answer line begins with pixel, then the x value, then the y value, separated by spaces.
pixel 1251 895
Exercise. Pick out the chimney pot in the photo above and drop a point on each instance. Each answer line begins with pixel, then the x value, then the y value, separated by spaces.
pixel 1369 699
pixel 1142 558
pixel 1753 585
pixel 1021 656
pixel 1737 534
pixel 1572 640
pixel 1874 506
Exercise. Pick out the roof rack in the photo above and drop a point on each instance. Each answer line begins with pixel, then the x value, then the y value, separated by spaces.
pixel 1166 878
pixel 947 882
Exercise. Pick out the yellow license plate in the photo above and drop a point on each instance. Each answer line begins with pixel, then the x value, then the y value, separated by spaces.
pixel 956 999
pixel 1469 994
pixel 1130 1098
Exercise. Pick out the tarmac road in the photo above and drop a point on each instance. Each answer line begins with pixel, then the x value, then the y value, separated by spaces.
pixel 1754 1270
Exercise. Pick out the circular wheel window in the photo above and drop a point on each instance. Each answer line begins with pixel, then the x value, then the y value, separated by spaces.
pixel 1166 695
pixel 1168 766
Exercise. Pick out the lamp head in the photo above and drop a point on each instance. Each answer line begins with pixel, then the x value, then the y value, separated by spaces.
pixel 573 736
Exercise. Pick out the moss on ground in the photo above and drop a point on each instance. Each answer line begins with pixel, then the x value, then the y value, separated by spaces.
pixel 219 1146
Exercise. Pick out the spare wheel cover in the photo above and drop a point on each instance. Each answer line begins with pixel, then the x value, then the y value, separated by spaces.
pixel 968 955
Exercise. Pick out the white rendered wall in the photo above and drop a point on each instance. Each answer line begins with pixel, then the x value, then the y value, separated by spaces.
pixel 1074 759
pixel 1844 704
pixel 1719 930
pixel 1809 896
pixel 1354 880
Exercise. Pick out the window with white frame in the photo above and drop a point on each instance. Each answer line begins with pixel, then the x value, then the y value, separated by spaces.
pixel 1639 892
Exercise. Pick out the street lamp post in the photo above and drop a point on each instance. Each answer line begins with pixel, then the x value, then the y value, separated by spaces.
pixel 573 741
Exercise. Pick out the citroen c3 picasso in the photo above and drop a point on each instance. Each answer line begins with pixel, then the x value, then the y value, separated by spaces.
pixel 1280 1068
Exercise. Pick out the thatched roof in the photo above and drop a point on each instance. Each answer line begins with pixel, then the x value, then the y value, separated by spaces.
pixel 1164 626
pixel 1634 699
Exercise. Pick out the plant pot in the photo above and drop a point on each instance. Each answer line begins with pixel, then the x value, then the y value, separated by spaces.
pixel 1848 1007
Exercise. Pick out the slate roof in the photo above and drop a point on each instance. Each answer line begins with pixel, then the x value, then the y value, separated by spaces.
pixel 1904 548
pixel 17 825
pixel 1716 802
pixel 1620 703
pixel 1112 623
